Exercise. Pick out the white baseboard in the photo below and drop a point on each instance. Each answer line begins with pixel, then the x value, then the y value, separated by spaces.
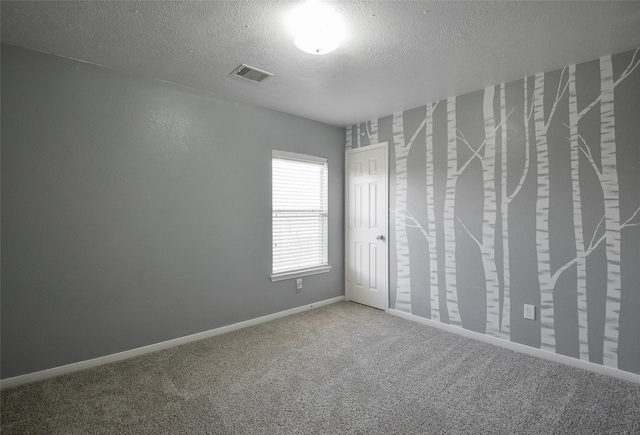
pixel 585 365
pixel 82 365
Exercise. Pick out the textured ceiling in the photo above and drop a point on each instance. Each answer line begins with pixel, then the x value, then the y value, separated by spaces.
pixel 399 54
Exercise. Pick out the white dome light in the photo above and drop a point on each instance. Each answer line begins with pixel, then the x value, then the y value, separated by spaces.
pixel 318 29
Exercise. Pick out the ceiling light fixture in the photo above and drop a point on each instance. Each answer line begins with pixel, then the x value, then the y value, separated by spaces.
pixel 318 28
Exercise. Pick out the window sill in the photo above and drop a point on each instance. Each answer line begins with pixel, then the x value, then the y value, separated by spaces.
pixel 299 273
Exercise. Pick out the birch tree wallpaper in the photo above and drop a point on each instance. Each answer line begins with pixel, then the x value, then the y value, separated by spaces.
pixel 527 192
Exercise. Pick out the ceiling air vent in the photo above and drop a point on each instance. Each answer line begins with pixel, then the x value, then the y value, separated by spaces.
pixel 250 73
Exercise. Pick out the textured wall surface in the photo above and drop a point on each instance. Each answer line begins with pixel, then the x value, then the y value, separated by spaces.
pixel 523 193
pixel 135 212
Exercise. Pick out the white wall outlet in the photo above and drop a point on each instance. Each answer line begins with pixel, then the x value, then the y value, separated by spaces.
pixel 299 284
pixel 529 312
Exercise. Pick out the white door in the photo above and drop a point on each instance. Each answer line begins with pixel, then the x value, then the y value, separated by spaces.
pixel 366 225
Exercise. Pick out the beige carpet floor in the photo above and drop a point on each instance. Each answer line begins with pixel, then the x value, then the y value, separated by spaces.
pixel 342 368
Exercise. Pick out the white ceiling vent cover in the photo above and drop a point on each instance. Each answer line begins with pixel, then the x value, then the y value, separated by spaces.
pixel 250 73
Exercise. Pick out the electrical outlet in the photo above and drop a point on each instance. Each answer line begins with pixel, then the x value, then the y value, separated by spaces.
pixel 529 312
pixel 299 284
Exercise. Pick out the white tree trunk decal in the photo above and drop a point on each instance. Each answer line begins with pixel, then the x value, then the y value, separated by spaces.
pixel 431 219
pixel 403 277
pixel 504 214
pixel 581 260
pixel 547 281
pixel 403 286
pixel 372 131
pixel 449 215
pixel 489 219
pixel 542 219
pixel 349 138
pixel 610 189
pixel 430 233
pixel 506 198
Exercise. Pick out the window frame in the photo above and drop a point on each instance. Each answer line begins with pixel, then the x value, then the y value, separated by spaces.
pixel 300 272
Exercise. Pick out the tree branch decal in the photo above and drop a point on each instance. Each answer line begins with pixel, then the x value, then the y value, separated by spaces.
pixel 633 64
pixel 628 222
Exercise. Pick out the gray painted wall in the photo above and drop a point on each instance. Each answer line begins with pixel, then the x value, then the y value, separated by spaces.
pixel 523 193
pixel 135 211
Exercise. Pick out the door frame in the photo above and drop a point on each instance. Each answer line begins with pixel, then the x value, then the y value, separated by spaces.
pixel 348 153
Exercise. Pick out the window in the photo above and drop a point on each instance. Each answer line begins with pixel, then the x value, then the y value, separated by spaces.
pixel 299 215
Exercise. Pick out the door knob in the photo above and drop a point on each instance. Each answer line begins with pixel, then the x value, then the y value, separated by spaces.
pixel 380 237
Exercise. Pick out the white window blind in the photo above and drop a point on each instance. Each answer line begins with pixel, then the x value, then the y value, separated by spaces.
pixel 299 213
